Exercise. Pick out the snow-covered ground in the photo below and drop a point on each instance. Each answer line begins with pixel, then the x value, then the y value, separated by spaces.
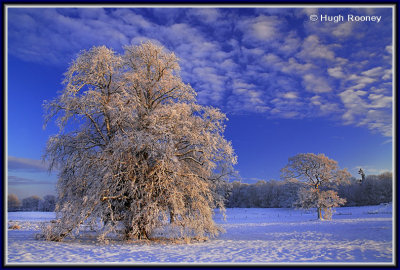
pixel 253 235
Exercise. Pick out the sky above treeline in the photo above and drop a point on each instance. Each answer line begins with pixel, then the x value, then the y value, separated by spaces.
pixel 309 79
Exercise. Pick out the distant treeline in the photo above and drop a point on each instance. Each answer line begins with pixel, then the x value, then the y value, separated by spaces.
pixel 375 189
pixel 32 203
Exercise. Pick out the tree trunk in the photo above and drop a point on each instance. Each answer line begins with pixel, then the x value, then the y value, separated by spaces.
pixel 140 235
pixel 319 210
pixel 127 232
pixel 143 234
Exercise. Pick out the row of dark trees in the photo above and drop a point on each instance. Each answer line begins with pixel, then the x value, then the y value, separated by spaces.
pixel 271 194
pixel 32 203
pixel 375 189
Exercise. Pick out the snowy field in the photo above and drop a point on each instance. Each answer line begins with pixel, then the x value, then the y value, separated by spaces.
pixel 253 236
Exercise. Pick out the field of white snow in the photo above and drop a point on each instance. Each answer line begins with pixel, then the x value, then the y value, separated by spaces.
pixel 253 236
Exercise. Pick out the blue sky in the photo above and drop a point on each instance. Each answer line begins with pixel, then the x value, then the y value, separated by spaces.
pixel 288 85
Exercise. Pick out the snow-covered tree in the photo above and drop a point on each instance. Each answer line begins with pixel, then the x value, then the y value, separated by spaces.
pixel 320 173
pixel 48 203
pixel 373 190
pixel 134 149
pixel 13 202
pixel 324 200
pixel 271 193
pixel 31 203
pixel 290 188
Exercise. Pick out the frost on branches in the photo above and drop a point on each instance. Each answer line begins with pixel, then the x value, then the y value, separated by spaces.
pixel 322 175
pixel 324 200
pixel 135 152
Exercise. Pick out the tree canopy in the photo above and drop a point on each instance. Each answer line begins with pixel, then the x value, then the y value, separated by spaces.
pixel 322 174
pixel 134 148
pixel 315 170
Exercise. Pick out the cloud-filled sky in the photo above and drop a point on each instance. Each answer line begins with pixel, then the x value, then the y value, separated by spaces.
pixel 288 84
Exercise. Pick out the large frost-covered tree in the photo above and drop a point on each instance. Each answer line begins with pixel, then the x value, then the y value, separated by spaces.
pixel 322 174
pixel 135 152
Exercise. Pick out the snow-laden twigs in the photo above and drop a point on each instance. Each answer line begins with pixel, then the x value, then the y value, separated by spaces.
pixel 134 149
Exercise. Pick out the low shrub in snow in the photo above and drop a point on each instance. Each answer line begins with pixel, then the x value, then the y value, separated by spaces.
pixel 14 227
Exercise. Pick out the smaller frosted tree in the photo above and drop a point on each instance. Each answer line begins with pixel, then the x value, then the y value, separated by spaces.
pixel 321 175
pixel 322 200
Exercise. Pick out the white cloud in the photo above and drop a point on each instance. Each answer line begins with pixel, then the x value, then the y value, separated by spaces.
pixel 132 19
pixel 265 28
pixel 180 33
pixel 367 110
pixel 308 11
pixel 244 103
pixel 290 95
pixel 374 72
pixel 325 107
pixel 343 29
pixel 228 64
pixel 261 28
pixel 262 65
pixel 26 164
pixel 294 67
pixel 354 104
pixel 316 84
pixel 316 100
pixel 380 101
pixel 336 72
pixel 313 48
pixel 341 61
pixel 50 36
pixel 285 114
pixel 377 121
pixel 273 61
pixel 208 15
pixel 291 43
pixel 246 97
pixel 360 81
pixel 389 49
pixel 16 181
pixel 288 105
pixel 238 84
pixel 211 87
pixel 370 11
pixel 387 74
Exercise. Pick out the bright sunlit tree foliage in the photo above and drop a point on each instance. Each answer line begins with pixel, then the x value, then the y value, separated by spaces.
pixel 135 152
